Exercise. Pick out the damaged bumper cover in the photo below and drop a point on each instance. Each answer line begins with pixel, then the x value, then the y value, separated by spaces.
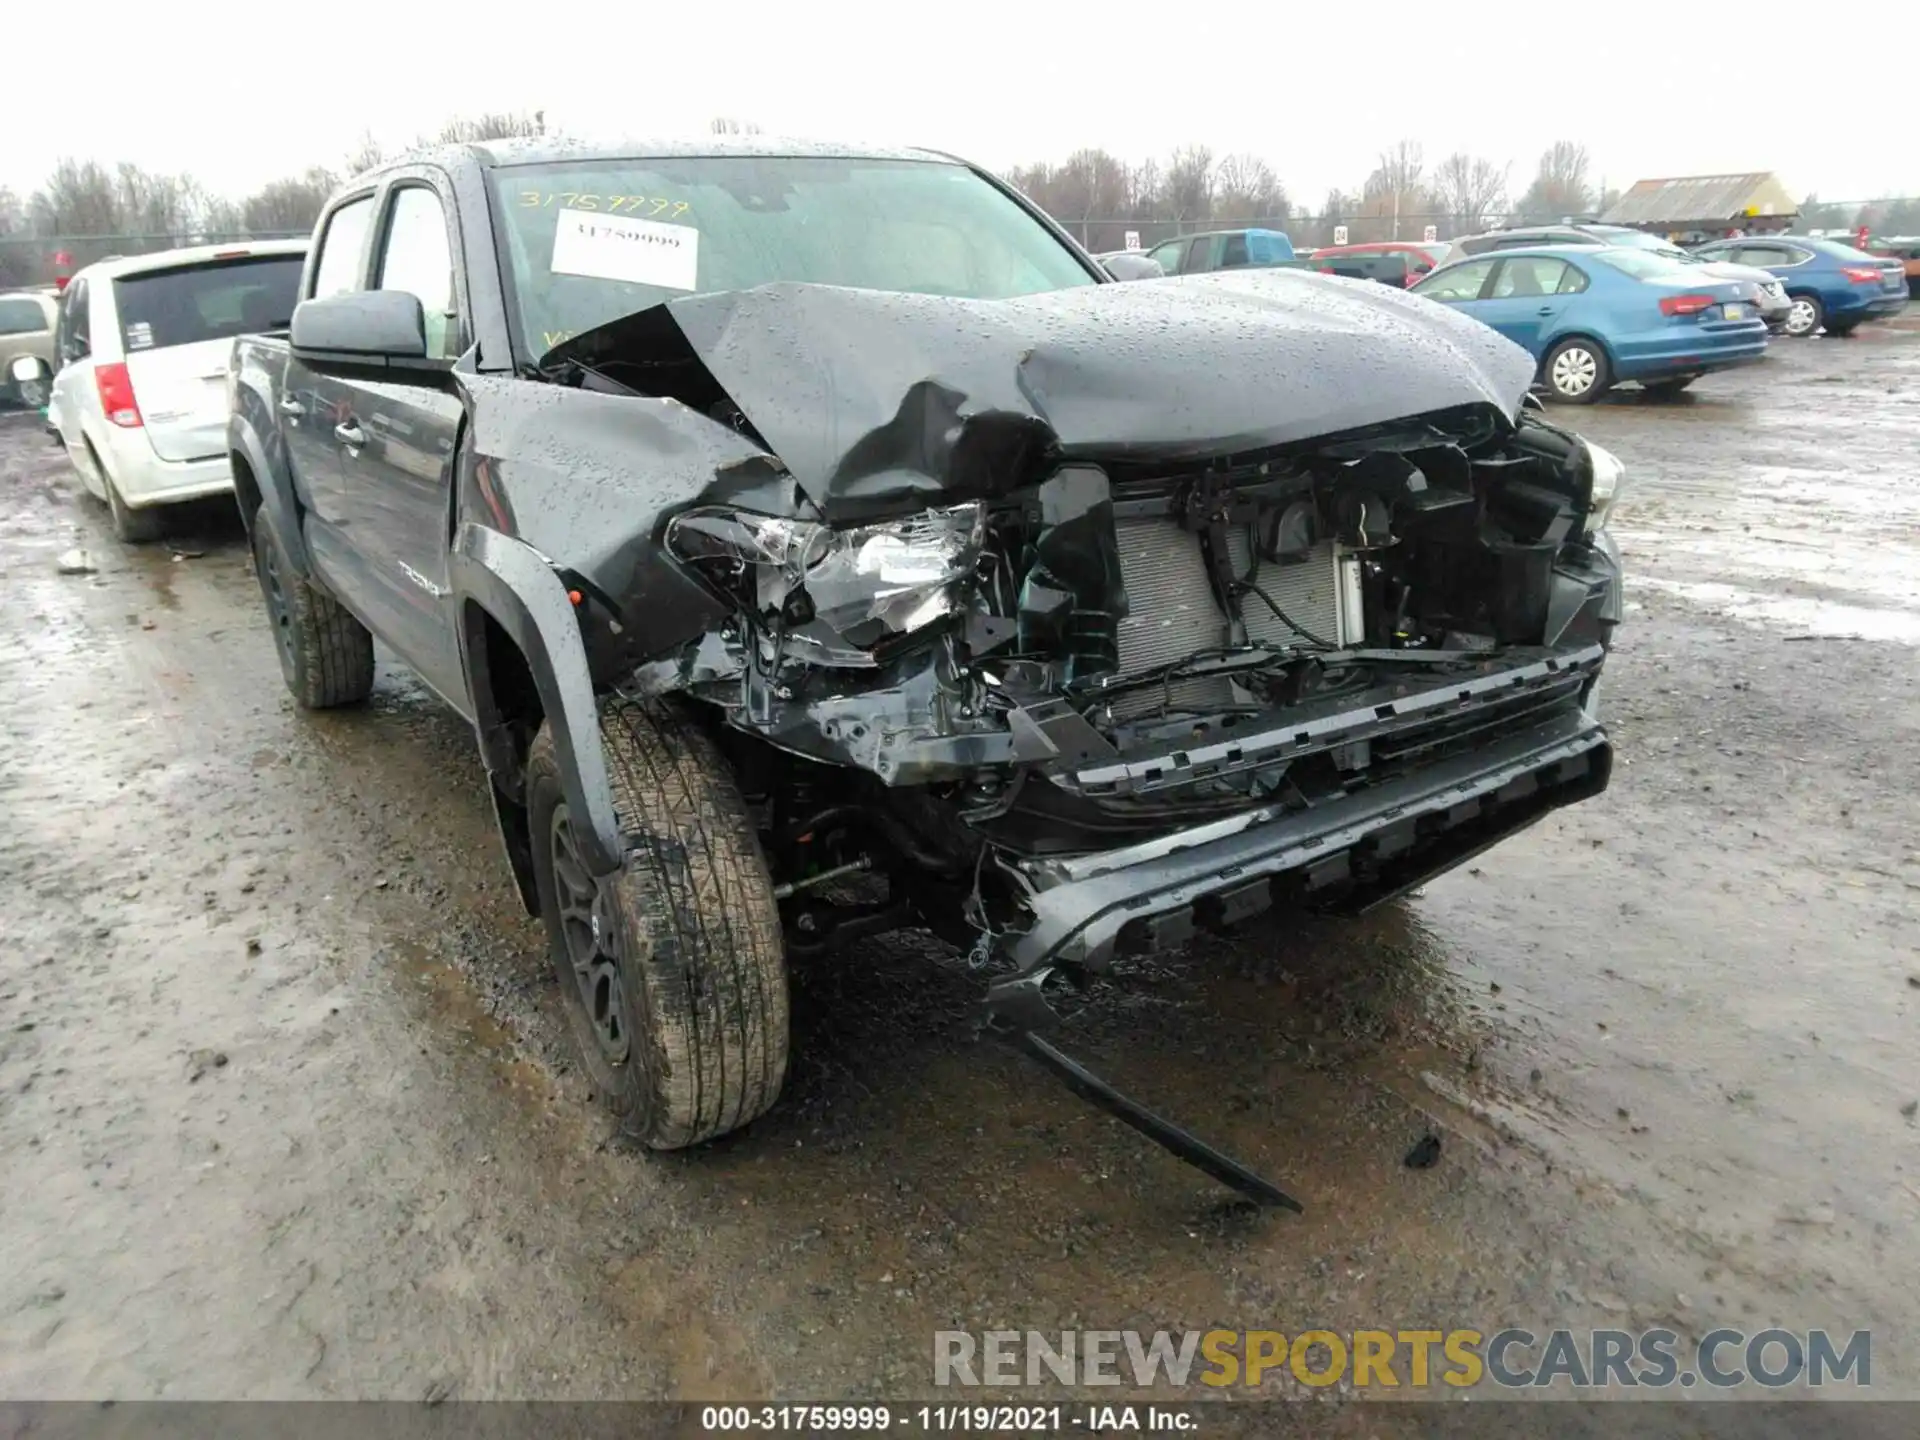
pixel 1365 847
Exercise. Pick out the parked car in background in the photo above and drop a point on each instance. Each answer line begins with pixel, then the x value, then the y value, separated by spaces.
pixel 1130 265
pixel 139 395
pixel 1594 316
pixel 1769 297
pixel 26 332
pixel 1829 283
pixel 1905 249
pixel 1391 262
pixel 1225 250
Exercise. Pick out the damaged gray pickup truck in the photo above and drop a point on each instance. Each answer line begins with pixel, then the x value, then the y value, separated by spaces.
pixel 821 543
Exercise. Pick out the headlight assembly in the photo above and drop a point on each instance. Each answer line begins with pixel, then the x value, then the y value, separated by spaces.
pixel 865 581
pixel 1608 475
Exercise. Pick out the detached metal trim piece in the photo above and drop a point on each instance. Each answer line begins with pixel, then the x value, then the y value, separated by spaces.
pixel 1080 906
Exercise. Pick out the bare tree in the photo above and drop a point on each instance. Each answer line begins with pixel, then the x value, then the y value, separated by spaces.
pixel 491 125
pixel 1560 185
pixel 726 125
pixel 288 207
pixel 1187 192
pixel 1245 188
pixel 364 156
pixel 1395 186
pixel 1469 190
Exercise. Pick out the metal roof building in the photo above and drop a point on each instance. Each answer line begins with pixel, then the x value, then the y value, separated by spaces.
pixel 1705 202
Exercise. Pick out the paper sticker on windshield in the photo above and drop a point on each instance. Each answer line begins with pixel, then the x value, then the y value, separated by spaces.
pixel 140 335
pixel 624 247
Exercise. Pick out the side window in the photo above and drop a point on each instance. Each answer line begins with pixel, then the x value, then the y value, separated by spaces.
pixel 1794 256
pixel 21 315
pixel 76 342
pixel 1202 253
pixel 338 269
pixel 417 258
pixel 1761 255
pixel 1235 253
pixel 1528 275
pixel 1571 283
pixel 1457 282
pixel 1169 255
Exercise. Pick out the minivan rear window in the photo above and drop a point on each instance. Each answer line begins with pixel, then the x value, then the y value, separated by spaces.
pixel 214 300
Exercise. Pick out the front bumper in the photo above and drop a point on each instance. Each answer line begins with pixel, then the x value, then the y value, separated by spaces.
pixel 1364 848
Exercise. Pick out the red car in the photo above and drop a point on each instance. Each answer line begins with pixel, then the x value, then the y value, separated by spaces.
pixel 1392 262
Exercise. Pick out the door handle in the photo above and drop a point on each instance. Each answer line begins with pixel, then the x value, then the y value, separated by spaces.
pixel 291 406
pixel 1547 309
pixel 350 434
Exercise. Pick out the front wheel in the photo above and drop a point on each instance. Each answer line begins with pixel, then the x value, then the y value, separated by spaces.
pixel 1576 372
pixel 1806 316
pixel 672 970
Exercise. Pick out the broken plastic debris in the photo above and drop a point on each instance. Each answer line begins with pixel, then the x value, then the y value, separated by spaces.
pixel 76 562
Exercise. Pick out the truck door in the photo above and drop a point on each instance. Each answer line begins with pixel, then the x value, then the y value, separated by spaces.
pixel 396 447
pixel 311 404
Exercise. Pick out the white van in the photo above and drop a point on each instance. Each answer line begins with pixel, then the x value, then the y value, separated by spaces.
pixel 140 394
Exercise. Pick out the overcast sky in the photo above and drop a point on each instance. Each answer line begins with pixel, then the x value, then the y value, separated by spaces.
pixel 239 94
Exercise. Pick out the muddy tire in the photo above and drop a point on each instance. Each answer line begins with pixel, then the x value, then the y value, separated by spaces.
pixel 326 656
pixel 1576 372
pixel 130 527
pixel 673 971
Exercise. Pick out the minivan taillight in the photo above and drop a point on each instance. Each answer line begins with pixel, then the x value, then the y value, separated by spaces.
pixel 116 396
pixel 1685 304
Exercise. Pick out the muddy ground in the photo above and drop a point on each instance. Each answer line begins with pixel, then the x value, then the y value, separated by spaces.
pixel 286 1109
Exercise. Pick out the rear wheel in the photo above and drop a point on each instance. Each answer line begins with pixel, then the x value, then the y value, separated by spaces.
pixel 1806 316
pixel 673 970
pixel 133 527
pixel 1576 372
pixel 326 656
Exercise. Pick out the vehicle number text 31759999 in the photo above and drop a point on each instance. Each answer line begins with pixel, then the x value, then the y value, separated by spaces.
pixel 873 1419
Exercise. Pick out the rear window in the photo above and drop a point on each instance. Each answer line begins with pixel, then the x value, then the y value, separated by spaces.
pixel 1640 264
pixel 213 301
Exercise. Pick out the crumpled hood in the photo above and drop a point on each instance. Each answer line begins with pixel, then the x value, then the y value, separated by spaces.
pixel 870 397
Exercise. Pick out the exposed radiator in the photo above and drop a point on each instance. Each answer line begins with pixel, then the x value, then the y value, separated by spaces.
pixel 1173 615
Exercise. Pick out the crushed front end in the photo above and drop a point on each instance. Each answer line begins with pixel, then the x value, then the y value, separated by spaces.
pixel 1128 699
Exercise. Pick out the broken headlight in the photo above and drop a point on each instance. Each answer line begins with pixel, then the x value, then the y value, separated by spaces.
pixel 865 582
pixel 1608 473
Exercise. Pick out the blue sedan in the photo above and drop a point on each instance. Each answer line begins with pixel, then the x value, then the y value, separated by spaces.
pixel 1594 317
pixel 1829 282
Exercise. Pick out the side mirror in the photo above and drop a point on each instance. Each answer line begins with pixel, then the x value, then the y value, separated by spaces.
pixel 362 327
pixel 1133 266
pixel 30 378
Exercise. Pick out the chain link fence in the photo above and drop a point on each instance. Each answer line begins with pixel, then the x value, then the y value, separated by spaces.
pixel 1101 234
pixel 27 261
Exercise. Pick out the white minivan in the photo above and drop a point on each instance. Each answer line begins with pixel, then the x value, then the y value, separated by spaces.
pixel 139 397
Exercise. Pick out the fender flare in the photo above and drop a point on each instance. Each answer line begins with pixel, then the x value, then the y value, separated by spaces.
pixel 516 586
pixel 276 493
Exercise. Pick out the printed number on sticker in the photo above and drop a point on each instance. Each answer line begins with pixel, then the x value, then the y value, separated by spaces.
pixel 624 247
pixel 653 207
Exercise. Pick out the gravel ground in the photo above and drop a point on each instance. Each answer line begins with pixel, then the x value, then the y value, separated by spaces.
pixel 286 1109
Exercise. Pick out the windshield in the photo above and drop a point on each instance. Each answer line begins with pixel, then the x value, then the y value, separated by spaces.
pixel 1641 264
pixel 589 241
pixel 214 300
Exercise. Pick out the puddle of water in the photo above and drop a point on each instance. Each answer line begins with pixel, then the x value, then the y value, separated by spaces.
pixel 1825 618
